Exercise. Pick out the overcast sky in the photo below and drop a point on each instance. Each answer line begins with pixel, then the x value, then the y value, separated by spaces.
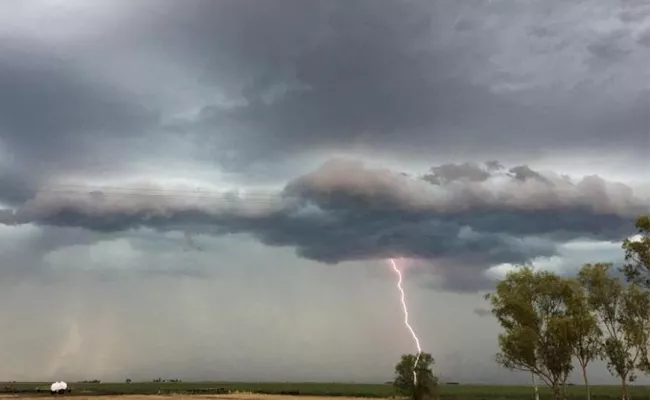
pixel 210 189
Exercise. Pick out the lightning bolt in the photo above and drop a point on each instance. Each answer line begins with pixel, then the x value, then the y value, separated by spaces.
pixel 406 318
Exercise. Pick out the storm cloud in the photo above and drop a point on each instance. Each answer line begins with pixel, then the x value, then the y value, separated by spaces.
pixel 407 77
pixel 367 75
pixel 471 214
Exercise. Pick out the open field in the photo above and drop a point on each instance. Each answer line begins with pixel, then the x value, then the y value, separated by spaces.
pixel 296 391
pixel 239 396
pixel 181 396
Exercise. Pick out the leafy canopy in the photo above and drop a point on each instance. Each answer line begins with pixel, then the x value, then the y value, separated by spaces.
pixel 637 254
pixel 422 388
pixel 532 309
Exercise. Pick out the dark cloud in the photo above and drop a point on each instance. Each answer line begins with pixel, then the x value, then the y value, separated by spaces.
pixel 345 211
pixel 412 77
pixel 373 75
pixel 644 38
pixel 15 189
pixel 54 115
pixel 482 312
pixel 453 172
pixel 409 77
pixel 610 47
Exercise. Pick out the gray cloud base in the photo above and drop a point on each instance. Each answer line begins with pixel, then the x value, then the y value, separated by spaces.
pixel 456 214
pixel 416 76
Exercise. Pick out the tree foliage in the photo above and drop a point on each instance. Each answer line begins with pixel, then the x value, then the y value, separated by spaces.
pixel 549 320
pixel 624 312
pixel 424 385
pixel 637 254
pixel 532 309
pixel 586 335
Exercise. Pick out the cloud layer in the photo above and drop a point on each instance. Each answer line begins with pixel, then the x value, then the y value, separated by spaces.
pixel 415 79
pixel 467 214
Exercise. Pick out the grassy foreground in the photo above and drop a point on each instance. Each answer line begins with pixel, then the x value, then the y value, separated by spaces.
pixel 447 392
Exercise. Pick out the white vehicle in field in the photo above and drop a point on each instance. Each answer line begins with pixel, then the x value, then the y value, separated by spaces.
pixel 59 387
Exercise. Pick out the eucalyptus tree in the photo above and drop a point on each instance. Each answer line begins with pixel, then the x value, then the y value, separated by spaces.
pixel 532 308
pixel 623 312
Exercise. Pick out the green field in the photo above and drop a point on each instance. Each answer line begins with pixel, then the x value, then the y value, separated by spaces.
pixel 469 392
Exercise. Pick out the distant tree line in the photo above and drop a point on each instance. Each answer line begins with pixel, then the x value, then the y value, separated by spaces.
pixel 161 380
pixel 549 321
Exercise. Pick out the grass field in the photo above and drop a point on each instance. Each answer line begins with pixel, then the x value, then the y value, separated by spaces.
pixel 469 392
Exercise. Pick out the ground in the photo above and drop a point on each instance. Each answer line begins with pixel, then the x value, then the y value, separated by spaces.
pixel 239 396
pixel 290 391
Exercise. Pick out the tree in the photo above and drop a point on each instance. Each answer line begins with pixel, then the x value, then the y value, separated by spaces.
pixel 532 309
pixel 635 320
pixel 624 313
pixel 425 383
pixel 637 271
pixel 637 255
pixel 586 335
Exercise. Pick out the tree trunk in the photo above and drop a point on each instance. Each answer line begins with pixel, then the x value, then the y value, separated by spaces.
pixel 535 387
pixel 624 395
pixel 416 391
pixel 557 394
pixel 584 377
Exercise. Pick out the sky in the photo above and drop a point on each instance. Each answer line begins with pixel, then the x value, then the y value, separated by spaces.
pixel 211 189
